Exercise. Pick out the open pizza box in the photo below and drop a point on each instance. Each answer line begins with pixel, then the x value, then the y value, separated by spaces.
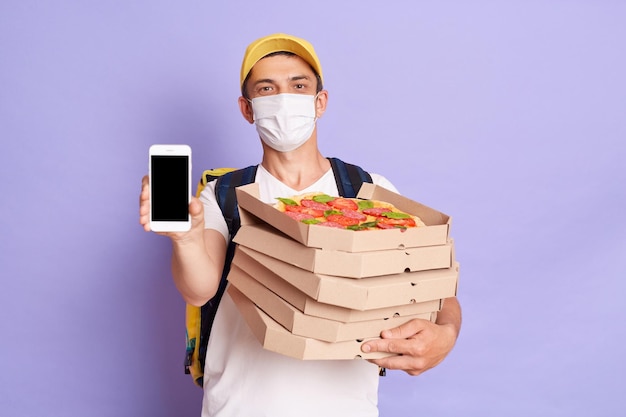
pixel 265 239
pixel 276 338
pixel 436 232
pixel 382 292
pixel 301 324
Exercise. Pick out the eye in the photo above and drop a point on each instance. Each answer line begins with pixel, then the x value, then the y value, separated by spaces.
pixel 265 89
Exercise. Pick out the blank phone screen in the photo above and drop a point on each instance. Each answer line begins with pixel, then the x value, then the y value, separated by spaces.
pixel 170 188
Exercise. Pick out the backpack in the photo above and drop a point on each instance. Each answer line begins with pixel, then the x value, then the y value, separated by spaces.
pixel 199 320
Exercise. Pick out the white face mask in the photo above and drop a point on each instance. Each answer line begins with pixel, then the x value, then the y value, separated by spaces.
pixel 284 121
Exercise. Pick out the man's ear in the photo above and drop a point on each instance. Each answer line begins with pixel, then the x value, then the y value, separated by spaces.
pixel 245 107
pixel 320 103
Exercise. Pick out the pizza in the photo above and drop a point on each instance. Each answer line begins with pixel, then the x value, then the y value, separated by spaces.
pixel 346 213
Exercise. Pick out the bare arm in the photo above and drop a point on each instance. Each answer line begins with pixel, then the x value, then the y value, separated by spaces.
pixel 197 262
pixel 421 344
pixel 197 255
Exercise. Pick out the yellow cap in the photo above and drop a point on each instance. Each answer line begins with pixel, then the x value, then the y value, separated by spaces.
pixel 278 42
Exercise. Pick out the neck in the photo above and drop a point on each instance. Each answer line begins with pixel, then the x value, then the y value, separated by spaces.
pixel 299 168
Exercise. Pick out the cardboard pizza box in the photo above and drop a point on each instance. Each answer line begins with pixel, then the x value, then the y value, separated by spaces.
pixel 358 294
pixel 265 239
pixel 319 328
pixel 315 327
pixel 276 338
pixel 253 210
pixel 272 284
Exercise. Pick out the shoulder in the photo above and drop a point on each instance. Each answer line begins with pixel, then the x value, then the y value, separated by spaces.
pixel 383 182
pixel 376 178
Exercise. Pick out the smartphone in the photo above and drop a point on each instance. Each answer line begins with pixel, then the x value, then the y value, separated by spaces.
pixel 170 188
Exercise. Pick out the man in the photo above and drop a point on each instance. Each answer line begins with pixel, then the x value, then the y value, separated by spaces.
pixel 282 94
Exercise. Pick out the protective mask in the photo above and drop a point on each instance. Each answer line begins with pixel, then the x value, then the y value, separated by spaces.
pixel 284 121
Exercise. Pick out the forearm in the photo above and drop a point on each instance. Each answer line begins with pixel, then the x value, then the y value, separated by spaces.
pixel 197 266
pixel 450 315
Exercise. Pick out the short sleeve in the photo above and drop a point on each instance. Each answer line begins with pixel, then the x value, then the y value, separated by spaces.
pixel 213 217
pixel 383 182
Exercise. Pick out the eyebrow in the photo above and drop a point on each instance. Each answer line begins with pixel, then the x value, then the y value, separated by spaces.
pixel 300 77
pixel 264 80
pixel 272 81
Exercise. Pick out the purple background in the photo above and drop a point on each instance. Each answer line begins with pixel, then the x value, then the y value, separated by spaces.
pixel 509 116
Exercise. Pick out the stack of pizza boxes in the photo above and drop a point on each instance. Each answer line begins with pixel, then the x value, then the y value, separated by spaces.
pixel 313 292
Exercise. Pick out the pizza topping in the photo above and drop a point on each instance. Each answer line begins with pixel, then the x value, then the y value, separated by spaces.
pixel 402 222
pixel 386 226
pixel 306 210
pixel 376 211
pixel 332 224
pixel 299 216
pixel 314 204
pixel 288 201
pixel 361 217
pixel 323 198
pixel 343 220
pixel 346 213
pixel 343 204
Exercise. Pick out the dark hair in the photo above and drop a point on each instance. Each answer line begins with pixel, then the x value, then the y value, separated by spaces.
pixel 244 86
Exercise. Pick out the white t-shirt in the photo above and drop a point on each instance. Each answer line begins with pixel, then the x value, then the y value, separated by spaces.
pixel 243 379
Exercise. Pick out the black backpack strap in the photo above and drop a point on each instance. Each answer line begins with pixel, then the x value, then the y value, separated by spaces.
pixel 226 197
pixel 348 177
pixel 227 200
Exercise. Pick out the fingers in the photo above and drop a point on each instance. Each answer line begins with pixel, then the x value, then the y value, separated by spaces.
pixel 397 346
pixel 196 233
pixel 196 210
pixel 401 340
pixel 144 195
pixel 418 345
pixel 405 330
pixel 144 204
pixel 410 365
pixel 391 339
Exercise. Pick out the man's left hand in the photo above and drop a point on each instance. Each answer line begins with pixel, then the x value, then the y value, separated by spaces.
pixel 420 345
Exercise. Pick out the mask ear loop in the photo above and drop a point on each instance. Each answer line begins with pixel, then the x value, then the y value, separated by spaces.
pixel 251 108
pixel 315 106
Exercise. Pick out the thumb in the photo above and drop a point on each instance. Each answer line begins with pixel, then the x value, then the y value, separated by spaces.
pixel 195 207
pixel 196 210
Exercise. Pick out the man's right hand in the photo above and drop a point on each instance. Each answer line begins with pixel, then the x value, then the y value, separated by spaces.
pixel 197 255
pixel 196 210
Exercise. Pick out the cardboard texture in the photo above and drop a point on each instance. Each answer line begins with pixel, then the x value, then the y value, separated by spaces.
pixel 358 294
pixel 307 305
pixel 276 338
pixel 302 324
pixel 313 292
pixel 252 210
pixel 348 299
pixel 267 240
